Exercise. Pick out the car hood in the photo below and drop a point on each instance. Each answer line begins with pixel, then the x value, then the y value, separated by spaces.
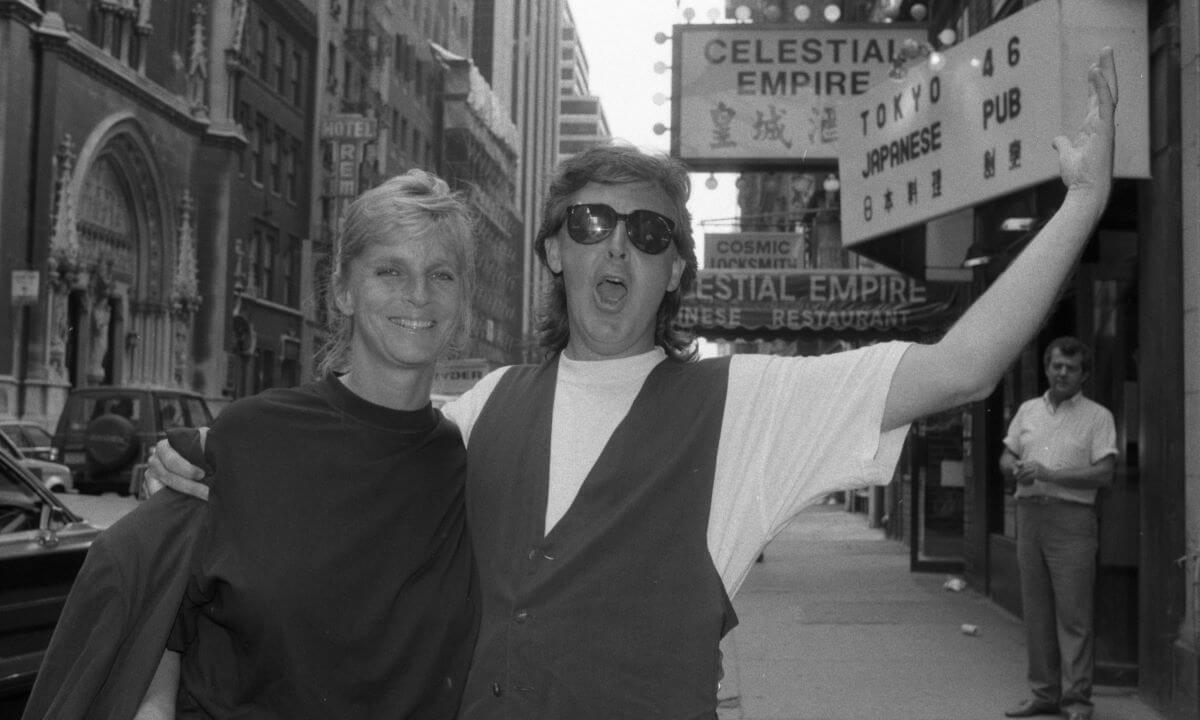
pixel 99 510
pixel 45 467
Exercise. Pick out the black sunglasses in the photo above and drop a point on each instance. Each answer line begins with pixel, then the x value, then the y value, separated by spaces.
pixel 650 232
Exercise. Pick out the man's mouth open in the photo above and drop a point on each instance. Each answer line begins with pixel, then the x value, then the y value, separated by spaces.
pixel 610 292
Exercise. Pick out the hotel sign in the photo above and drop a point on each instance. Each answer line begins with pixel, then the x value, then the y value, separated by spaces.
pixel 745 94
pixel 346 135
pixel 839 301
pixel 976 123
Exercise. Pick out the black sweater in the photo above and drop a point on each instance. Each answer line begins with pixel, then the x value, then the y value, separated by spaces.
pixel 334 576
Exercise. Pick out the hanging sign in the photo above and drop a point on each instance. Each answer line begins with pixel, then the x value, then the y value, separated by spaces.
pixel 754 251
pixel 975 122
pixel 769 94
pixel 25 286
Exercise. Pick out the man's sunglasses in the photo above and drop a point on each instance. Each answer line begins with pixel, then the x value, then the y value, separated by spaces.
pixel 649 231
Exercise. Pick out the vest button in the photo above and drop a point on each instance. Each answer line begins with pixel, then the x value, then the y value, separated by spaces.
pixel 497 690
pixel 521 616
pixel 533 553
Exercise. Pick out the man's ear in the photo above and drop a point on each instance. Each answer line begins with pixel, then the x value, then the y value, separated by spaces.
pixel 677 267
pixel 554 254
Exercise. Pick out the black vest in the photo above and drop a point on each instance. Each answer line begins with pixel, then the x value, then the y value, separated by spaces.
pixel 618 611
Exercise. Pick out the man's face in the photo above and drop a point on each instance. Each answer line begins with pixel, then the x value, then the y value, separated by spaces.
pixel 1065 374
pixel 613 288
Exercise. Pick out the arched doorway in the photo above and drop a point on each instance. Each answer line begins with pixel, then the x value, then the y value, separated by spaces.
pixel 112 322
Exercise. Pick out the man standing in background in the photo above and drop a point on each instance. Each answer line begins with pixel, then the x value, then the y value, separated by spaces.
pixel 1060 448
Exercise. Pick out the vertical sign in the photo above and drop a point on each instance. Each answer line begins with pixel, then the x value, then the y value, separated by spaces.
pixel 346 135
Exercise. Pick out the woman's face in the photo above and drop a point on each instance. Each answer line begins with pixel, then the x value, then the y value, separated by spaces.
pixel 406 300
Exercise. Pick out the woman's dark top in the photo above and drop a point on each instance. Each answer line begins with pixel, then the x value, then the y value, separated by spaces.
pixel 334 577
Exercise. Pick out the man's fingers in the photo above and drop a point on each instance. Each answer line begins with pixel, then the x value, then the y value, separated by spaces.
pixel 1108 70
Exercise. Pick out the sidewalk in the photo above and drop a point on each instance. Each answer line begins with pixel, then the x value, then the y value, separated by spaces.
pixel 835 627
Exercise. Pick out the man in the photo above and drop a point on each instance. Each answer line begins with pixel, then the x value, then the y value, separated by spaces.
pixel 1060 449
pixel 618 494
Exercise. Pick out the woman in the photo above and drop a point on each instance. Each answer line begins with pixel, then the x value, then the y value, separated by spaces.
pixel 332 575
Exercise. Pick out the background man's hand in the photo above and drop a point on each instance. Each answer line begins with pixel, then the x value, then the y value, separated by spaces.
pixel 1031 470
pixel 168 468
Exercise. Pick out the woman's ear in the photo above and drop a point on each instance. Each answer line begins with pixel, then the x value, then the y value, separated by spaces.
pixel 343 299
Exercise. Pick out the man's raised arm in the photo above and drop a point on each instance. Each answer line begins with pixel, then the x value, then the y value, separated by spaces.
pixel 966 364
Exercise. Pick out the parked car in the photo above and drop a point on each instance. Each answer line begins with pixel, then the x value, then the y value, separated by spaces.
pixel 33 439
pixel 57 478
pixel 42 546
pixel 105 434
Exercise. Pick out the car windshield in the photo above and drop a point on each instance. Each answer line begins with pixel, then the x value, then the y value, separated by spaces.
pixel 94 406
pixel 8 447
pixel 36 436
pixel 20 506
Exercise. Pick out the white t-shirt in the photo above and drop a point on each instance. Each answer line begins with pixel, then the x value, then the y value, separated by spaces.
pixel 794 430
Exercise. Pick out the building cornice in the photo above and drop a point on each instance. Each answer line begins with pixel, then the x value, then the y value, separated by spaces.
pixel 52 36
pixel 20 10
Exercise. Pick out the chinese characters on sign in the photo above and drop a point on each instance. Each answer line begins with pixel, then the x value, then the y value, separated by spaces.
pixel 976 123
pixel 756 93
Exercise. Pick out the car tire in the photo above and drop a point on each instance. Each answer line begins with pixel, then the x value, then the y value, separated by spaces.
pixel 111 442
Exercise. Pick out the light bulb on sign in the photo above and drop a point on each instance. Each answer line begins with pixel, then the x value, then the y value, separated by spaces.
pixel 711 182
pixel 833 13
pixel 947 37
pixel 659 98
pixel 802 12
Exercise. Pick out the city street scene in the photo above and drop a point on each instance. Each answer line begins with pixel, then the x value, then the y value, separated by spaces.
pixel 737 359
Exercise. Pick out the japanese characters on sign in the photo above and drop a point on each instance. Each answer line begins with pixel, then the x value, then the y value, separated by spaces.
pixel 976 123
pixel 757 93
pixel 816 301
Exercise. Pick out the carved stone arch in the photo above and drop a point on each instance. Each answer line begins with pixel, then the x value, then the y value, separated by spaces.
pixel 125 232
pixel 119 145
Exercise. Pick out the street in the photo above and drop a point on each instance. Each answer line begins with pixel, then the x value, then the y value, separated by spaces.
pixel 834 626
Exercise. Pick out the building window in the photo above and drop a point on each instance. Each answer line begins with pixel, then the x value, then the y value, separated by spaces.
pixel 276 152
pixel 260 51
pixel 297 70
pixel 404 135
pixel 292 167
pixel 243 119
pixel 281 55
pixel 264 263
pixel 291 272
pixel 256 148
pixel 331 80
